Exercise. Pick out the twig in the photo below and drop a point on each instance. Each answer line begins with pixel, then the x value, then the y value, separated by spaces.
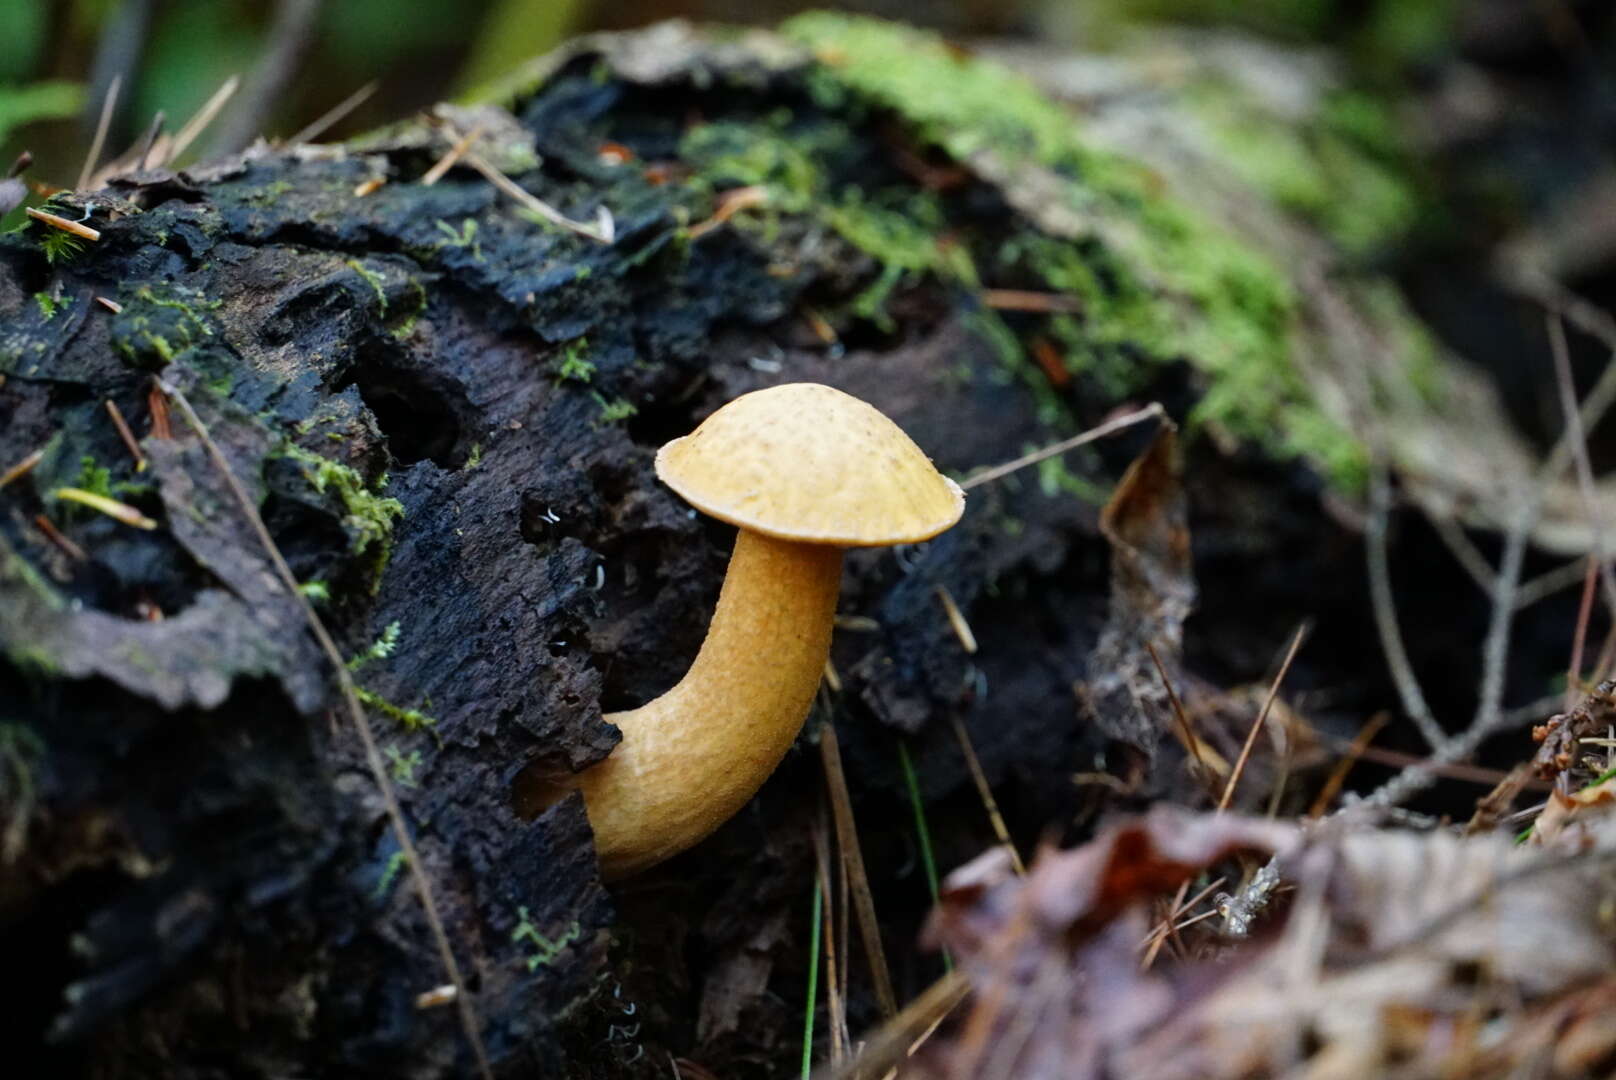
pixel 126 435
pixel 454 154
pixel 67 225
pixel 108 104
pixel 1165 927
pixel 1579 452
pixel 157 405
pixel 1385 608
pixel 22 468
pixel 1495 650
pixel 290 37
pixel 334 115
pixel 895 1039
pixel 1034 302
pixel 730 203
pixel 1549 582
pixel 602 232
pixel 111 507
pixel 1464 552
pixel 836 1011
pixel 1338 775
pixel 199 121
pixel 1257 724
pixel 1585 610
pixel 1590 318
pixel 1153 410
pixel 956 620
pixel 57 537
pixel 985 792
pixel 1191 742
pixel 148 140
pixel 847 843
pixel 356 713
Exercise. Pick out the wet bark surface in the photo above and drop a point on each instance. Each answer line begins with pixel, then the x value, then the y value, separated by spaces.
pixel 198 874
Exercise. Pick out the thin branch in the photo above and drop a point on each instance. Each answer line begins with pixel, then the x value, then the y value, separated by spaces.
pixel 356 713
pixel 143 149
pixel 1385 607
pixel 334 115
pixel 1262 716
pixel 1579 638
pixel 1463 550
pixel 108 104
pixel 291 36
pixel 1579 452
pixel 1153 410
pixel 1550 582
pixel 985 792
pixel 199 121
pixel 454 154
pixel 847 842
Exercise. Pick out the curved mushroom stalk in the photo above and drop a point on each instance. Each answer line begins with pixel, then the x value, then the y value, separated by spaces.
pixel 803 471
pixel 694 756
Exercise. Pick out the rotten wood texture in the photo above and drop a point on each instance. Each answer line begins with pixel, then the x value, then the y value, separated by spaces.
pixel 447 415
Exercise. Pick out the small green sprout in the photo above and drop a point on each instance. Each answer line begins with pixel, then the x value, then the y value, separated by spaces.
pixel 545 950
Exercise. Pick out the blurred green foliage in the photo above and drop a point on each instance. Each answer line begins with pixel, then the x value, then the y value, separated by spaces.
pixel 418 52
pixel 1383 36
pixel 52 51
pixel 21 105
pixel 22 33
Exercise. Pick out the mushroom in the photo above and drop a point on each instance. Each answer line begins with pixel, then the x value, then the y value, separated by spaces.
pixel 803 471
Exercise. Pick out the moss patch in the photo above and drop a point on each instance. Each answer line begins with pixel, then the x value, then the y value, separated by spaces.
pixel 1343 172
pixel 158 324
pixel 1157 280
pixel 368 516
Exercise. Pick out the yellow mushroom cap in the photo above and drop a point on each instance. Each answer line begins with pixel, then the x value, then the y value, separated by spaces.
pixel 807 462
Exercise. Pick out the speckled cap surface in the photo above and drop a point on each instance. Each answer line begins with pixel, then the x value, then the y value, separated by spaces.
pixel 807 462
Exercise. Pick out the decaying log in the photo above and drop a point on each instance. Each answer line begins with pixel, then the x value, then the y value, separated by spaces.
pixel 445 407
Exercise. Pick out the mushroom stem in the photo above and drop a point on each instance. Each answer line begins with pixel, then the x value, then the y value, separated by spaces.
pixel 694 756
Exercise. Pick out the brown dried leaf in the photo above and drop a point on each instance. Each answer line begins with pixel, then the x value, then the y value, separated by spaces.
pixel 1152 593
pixel 1432 953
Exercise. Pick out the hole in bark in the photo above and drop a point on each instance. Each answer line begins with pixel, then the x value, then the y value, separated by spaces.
pixel 418 417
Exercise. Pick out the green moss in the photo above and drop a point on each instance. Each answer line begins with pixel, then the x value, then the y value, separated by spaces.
pixel 574 364
pixel 901 229
pixel 407 326
pixel 1343 171
pixel 60 246
pixel 368 517
pixel 160 325
pixel 466 237
pixel 96 479
pixel 613 409
pixel 1158 281
pixel 411 719
pixel 50 305
pixel 389 874
pixel 377 283
pixel 380 649
pixel 403 766
pixel 544 950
